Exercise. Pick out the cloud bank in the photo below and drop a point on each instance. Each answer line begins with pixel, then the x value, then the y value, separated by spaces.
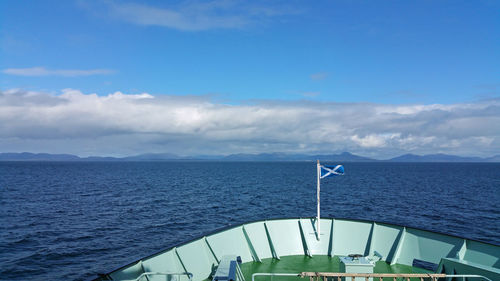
pixel 42 71
pixel 124 124
pixel 196 15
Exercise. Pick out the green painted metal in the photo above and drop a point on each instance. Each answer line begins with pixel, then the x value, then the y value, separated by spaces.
pixel 255 256
pixel 268 242
pixel 427 246
pixel 197 259
pixel 179 259
pixel 319 263
pixel 286 237
pixel 161 276
pixel 211 250
pixel 167 262
pixel 257 234
pixel 315 246
pixel 291 264
pixel 369 251
pixel 304 239
pixel 357 233
pixel 231 242
pixel 385 240
pixel 457 266
pixel 330 243
pixel 399 246
pixel 482 253
pixel 128 273
pixel 271 243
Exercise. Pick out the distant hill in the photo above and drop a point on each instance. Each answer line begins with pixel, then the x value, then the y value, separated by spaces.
pixel 258 157
pixel 153 156
pixel 277 156
pixel 495 158
pixel 436 158
pixel 27 156
pixel 343 157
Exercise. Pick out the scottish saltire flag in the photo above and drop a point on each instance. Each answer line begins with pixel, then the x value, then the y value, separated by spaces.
pixel 330 171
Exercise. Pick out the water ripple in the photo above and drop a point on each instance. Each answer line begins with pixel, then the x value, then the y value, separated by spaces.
pixel 74 220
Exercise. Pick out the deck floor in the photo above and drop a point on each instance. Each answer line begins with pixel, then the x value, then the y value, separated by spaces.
pixel 297 264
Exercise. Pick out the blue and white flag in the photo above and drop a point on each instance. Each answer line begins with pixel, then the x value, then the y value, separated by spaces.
pixel 330 171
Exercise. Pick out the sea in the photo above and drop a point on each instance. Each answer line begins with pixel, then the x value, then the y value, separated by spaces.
pixel 73 220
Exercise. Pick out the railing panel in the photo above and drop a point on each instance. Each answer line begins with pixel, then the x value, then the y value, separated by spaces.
pixel 457 266
pixel 230 242
pixel 385 240
pixel 197 259
pixel 128 273
pixel 317 247
pixel 257 235
pixel 350 237
pixel 427 246
pixel 161 263
pixel 286 237
pixel 482 253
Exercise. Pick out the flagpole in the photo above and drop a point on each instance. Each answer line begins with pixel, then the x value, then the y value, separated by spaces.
pixel 318 172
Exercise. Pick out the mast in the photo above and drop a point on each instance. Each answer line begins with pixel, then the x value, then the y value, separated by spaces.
pixel 318 172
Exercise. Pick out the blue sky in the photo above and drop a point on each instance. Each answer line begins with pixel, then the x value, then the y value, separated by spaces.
pixel 383 51
pixel 388 53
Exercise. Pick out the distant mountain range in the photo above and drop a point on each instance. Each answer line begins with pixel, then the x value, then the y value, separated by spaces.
pixel 342 157
pixel 442 158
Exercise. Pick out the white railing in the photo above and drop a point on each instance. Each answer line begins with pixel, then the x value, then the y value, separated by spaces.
pixel 317 276
pixel 145 274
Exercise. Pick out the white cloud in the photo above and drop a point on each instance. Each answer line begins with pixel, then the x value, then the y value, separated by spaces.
pixel 319 76
pixel 42 71
pixel 310 94
pixel 370 140
pixel 121 123
pixel 195 15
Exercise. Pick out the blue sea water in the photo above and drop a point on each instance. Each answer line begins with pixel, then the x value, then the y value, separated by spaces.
pixel 72 220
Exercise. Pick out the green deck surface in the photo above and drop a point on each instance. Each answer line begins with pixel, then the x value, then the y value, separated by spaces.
pixel 297 264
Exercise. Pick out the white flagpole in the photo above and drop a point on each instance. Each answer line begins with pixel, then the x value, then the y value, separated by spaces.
pixel 319 177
